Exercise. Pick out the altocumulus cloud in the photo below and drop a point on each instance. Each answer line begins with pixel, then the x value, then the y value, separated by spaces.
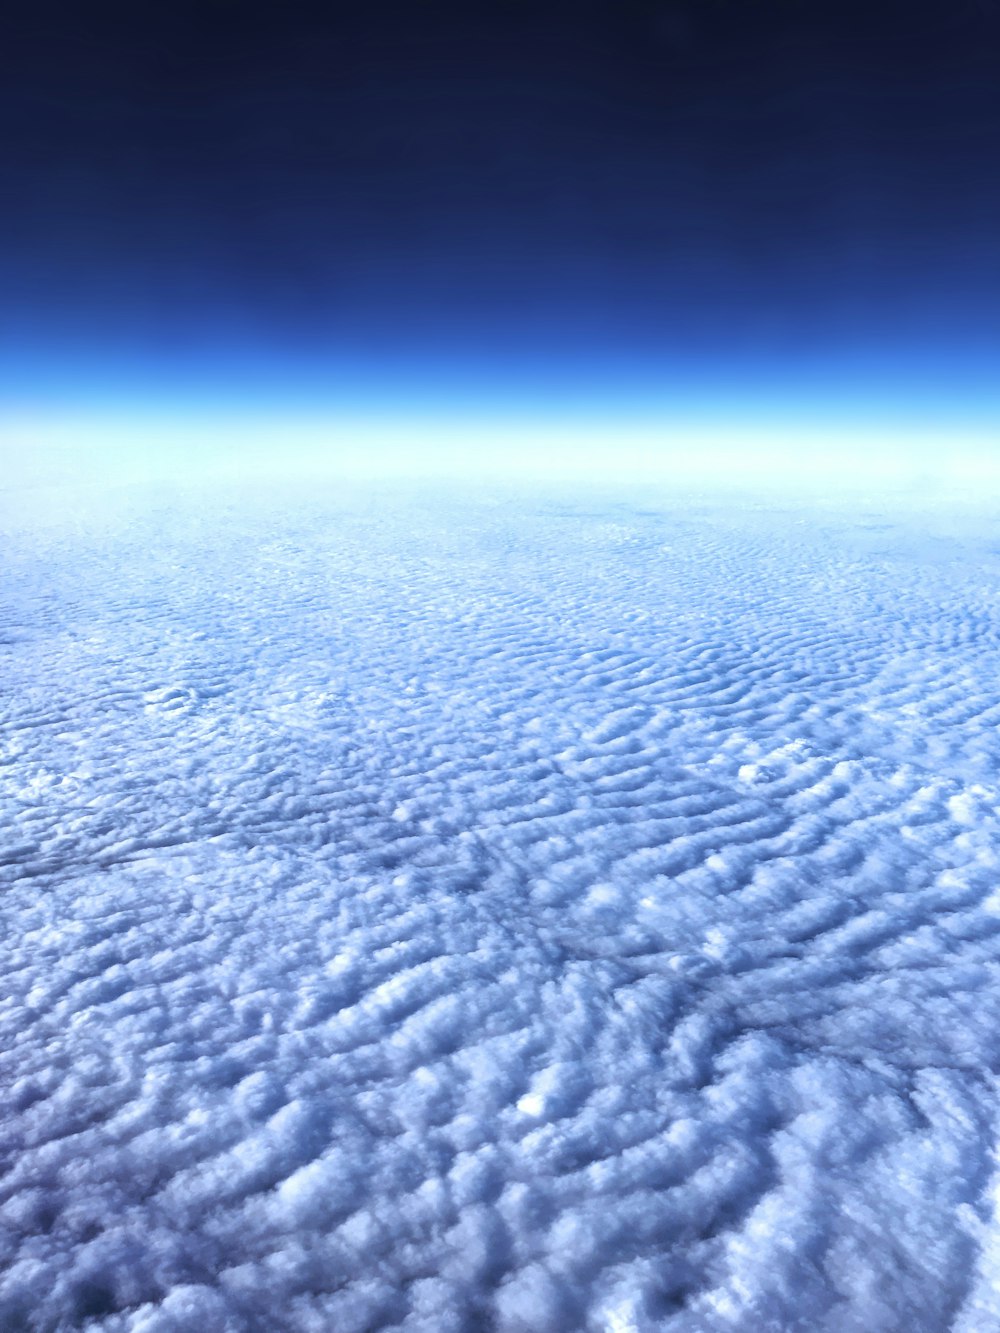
pixel 472 912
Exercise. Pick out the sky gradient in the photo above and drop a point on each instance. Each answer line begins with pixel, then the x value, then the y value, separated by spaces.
pixel 741 215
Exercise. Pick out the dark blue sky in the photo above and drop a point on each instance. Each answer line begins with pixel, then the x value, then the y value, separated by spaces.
pixel 644 199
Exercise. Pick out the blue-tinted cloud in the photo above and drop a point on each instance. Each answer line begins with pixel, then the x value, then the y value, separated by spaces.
pixel 557 912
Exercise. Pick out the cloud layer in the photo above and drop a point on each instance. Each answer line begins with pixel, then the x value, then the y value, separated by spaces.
pixel 446 912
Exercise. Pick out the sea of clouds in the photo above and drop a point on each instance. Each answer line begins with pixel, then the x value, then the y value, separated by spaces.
pixel 457 910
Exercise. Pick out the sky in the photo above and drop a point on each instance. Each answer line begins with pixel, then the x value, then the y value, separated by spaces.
pixel 703 211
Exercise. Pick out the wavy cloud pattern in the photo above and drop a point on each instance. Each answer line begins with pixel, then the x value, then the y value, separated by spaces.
pixel 496 912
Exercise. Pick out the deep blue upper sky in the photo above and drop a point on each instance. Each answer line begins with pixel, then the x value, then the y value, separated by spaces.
pixel 636 194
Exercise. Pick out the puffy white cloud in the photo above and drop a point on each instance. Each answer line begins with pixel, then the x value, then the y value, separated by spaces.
pixel 458 911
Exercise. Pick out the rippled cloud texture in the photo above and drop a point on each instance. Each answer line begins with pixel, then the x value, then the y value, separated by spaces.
pixel 491 909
